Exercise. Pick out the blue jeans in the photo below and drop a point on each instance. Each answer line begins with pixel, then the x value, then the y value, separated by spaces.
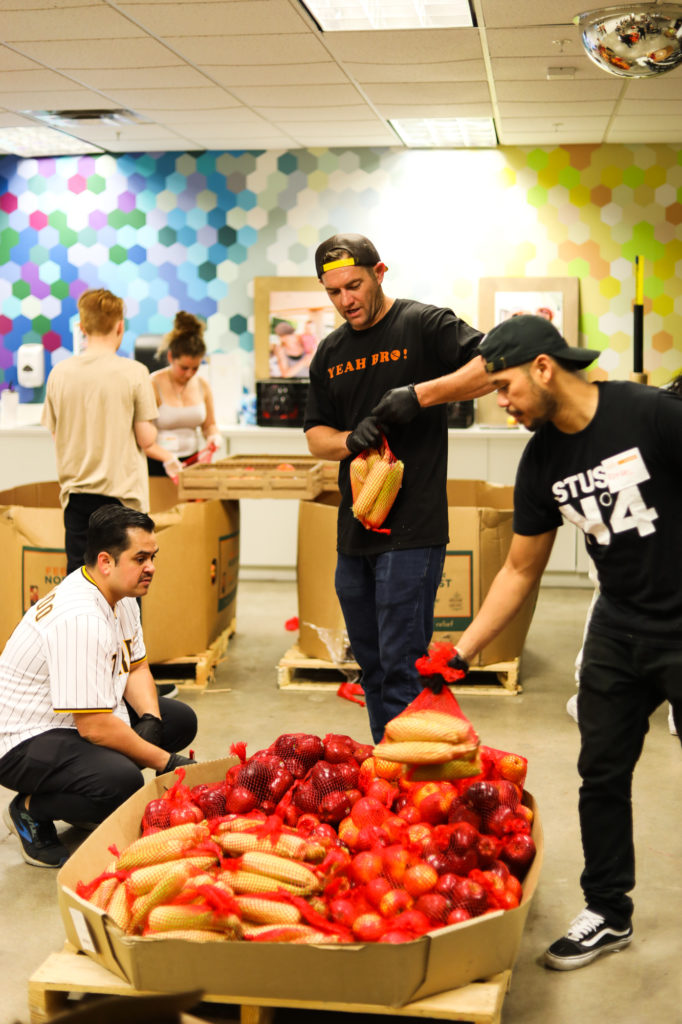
pixel 387 602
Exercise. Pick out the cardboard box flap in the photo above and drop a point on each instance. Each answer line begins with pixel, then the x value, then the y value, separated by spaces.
pixel 479 494
pixel 40 527
pixel 39 495
pixel 89 928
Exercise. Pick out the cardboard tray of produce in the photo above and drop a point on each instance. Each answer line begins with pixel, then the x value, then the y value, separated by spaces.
pixel 253 476
pixel 384 974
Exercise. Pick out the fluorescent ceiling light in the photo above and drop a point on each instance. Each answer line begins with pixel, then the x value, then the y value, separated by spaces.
pixel 365 15
pixel 446 132
pixel 39 141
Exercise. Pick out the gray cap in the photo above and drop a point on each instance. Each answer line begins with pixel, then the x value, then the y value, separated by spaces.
pixel 521 338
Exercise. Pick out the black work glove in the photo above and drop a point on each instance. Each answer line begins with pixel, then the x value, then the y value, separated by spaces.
pixel 399 405
pixel 150 728
pixel 434 682
pixel 459 663
pixel 367 434
pixel 176 761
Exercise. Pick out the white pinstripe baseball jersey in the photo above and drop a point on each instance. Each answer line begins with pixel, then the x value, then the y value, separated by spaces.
pixel 71 652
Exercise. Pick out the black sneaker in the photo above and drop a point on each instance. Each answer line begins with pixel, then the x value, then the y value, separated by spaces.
pixel 39 843
pixel 588 936
pixel 166 690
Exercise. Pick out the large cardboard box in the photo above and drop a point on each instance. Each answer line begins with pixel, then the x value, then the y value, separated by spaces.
pixel 197 565
pixel 377 973
pixel 480 528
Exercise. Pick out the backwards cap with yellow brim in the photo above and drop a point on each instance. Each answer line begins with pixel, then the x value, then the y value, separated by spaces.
pixel 345 251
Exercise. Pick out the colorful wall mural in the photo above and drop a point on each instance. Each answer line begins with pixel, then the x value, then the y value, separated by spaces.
pixel 190 231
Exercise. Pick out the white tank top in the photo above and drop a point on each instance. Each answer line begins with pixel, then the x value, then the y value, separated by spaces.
pixel 178 427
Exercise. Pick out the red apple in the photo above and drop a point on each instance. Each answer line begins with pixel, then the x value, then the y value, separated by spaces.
pixel 366 865
pixel 394 902
pixel 458 915
pixel 463 837
pixel 240 800
pixel 369 811
pixel 420 878
pixel 376 888
pixel 369 927
pixel 435 905
pixel 518 852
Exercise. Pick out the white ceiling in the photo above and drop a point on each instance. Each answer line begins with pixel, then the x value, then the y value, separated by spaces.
pixel 259 74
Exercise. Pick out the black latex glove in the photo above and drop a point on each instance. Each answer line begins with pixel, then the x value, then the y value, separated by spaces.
pixel 399 405
pixel 435 682
pixel 150 728
pixel 176 761
pixel 459 663
pixel 367 434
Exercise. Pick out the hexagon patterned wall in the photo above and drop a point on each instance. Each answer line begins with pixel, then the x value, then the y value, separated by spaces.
pixel 185 231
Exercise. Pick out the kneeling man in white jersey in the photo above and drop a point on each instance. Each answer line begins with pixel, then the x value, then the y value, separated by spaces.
pixel 79 712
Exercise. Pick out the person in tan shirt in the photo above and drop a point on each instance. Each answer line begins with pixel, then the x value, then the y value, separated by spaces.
pixel 100 409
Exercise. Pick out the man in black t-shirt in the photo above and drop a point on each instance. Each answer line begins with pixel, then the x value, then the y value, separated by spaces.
pixel 387 582
pixel 606 457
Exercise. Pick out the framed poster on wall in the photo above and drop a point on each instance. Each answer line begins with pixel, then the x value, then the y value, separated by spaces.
pixel 291 316
pixel 499 298
pixel 555 298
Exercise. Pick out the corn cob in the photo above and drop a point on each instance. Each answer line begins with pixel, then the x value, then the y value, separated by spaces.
pixel 192 935
pixel 316 937
pixel 164 890
pixel 262 911
pixel 386 496
pixel 358 475
pixel 161 846
pixel 119 909
pixel 103 893
pixel 280 933
pixel 418 752
pixel 236 843
pixel 143 880
pixel 458 768
pixel 372 486
pixel 238 823
pixel 281 868
pixel 373 457
pixel 171 917
pixel 248 882
pixel 428 725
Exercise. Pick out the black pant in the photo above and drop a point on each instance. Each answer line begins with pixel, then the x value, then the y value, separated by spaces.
pixel 621 683
pixel 70 779
pixel 76 516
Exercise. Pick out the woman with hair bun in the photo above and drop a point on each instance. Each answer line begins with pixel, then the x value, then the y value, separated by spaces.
pixel 185 402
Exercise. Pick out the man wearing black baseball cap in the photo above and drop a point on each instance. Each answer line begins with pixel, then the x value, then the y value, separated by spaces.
pixel 606 457
pixel 387 581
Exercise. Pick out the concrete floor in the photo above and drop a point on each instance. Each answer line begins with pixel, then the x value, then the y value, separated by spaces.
pixel 640 984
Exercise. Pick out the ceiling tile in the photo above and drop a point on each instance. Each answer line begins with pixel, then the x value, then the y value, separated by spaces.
pixel 454 71
pixel 100 22
pixel 285 96
pixel 259 50
pixel 419 47
pixel 239 17
pixel 100 53
pixel 311 73
pixel 429 92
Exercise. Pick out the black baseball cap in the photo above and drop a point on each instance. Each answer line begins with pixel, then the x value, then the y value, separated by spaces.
pixel 360 253
pixel 521 338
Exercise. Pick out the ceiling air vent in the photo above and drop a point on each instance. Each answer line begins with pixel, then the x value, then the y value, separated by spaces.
pixel 76 118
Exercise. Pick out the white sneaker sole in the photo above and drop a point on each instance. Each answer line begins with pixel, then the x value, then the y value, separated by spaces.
pixel 572 963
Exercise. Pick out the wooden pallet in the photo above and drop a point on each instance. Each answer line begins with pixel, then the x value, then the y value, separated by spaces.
pixel 295 671
pixel 70 973
pixel 194 671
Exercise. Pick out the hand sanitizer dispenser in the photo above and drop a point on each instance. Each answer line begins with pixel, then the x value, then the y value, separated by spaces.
pixel 31 365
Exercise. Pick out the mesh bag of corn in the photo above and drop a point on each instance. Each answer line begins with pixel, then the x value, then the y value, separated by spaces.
pixel 375 477
pixel 434 737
